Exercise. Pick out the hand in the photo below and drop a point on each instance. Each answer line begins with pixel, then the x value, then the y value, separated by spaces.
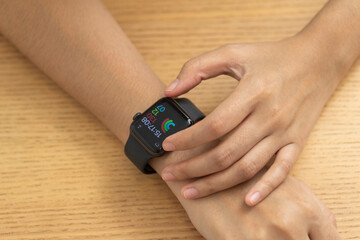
pixel 282 89
pixel 290 212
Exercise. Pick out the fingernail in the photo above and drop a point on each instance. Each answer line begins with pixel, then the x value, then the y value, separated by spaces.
pixel 167 176
pixel 168 146
pixel 173 85
pixel 190 193
pixel 254 198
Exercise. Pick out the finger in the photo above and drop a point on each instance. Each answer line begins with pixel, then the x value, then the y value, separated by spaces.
pixel 225 117
pixel 231 149
pixel 241 171
pixel 208 65
pixel 276 174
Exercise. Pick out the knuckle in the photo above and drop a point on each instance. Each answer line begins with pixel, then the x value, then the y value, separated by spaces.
pixel 308 207
pixel 216 127
pixel 191 64
pixel 310 210
pixel 260 90
pixel 264 92
pixel 208 187
pixel 188 64
pixel 247 169
pixel 223 158
pixel 286 225
pixel 265 86
pixel 285 166
pixel 231 51
pixel 277 113
pixel 181 171
pixel 230 48
pixel 275 110
pixel 298 139
pixel 268 185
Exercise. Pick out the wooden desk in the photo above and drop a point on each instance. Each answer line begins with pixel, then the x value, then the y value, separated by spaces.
pixel 64 176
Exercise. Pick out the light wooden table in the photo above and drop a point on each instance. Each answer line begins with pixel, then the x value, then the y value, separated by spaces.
pixel 64 176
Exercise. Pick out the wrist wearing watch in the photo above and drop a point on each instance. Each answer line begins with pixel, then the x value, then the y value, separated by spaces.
pixel 149 129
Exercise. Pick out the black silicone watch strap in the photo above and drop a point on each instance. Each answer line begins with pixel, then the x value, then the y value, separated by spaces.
pixel 194 113
pixel 137 153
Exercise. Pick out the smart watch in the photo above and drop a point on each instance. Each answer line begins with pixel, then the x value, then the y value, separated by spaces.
pixel 149 129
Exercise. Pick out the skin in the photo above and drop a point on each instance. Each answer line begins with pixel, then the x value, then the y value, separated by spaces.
pixel 81 47
pixel 283 87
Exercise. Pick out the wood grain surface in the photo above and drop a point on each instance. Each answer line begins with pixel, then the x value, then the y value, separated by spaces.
pixel 64 176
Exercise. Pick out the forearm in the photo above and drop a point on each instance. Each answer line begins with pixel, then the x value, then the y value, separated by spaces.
pixel 334 35
pixel 81 47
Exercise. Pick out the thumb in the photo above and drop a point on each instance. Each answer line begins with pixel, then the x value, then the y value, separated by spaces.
pixel 208 65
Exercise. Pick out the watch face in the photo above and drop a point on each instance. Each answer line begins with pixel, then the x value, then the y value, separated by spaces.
pixel 158 122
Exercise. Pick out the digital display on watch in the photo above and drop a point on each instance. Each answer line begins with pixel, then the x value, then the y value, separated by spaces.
pixel 158 122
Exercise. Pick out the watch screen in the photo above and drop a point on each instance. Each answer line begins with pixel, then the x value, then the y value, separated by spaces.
pixel 158 122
